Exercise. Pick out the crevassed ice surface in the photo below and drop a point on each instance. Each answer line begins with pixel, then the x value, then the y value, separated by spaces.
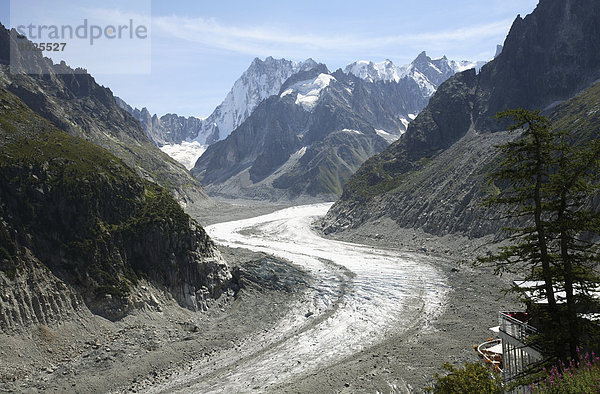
pixel 360 296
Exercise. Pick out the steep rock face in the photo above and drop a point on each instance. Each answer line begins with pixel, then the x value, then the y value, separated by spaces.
pixel 168 129
pixel 549 56
pixel 33 296
pixel 93 223
pixel 173 128
pixel 273 123
pixel 433 129
pixel 74 102
pixel 263 79
pixel 260 81
pixel 285 145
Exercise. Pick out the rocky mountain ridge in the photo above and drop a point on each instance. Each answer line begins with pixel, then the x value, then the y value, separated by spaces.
pixel 262 79
pixel 73 101
pixel 167 129
pixel 308 140
pixel 548 57
pixel 427 72
pixel 185 139
pixel 79 228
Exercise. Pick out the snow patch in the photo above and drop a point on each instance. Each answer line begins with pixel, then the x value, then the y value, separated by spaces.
pixel 464 65
pixel 352 131
pixel 426 72
pixel 405 122
pixel 309 91
pixel 389 137
pixel 186 153
pixel 373 72
pixel 261 80
pixel 300 152
pixel 289 91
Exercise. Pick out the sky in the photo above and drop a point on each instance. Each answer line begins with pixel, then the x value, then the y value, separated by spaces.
pixel 194 51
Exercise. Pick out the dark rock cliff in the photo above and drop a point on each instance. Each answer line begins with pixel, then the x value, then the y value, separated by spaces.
pixel 293 150
pixel 548 57
pixel 73 101
pixel 75 211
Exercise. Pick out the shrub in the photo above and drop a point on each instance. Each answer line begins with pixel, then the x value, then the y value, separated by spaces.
pixel 471 378
pixel 580 376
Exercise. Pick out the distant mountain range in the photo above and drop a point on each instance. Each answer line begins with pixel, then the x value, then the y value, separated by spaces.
pixel 433 178
pixel 308 139
pixel 385 98
pixel 426 72
pixel 264 78
pixel 261 80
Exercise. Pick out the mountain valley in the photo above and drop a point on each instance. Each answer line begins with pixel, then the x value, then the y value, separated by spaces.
pixel 318 232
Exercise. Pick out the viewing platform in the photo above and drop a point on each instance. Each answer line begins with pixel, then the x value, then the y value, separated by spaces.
pixel 514 330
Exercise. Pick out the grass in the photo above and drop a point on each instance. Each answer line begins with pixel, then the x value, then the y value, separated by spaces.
pixel 470 378
pixel 580 115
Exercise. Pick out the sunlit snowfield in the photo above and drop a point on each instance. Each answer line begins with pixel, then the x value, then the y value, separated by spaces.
pixel 186 152
pixel 360 296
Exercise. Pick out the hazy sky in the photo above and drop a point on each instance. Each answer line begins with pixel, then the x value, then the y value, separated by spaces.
pixel 199 48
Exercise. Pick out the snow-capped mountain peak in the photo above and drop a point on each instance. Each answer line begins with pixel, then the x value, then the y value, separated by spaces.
pixel 304 83
pixel 428 73
pixel 264 78
pixel 308 92
pixel 384 71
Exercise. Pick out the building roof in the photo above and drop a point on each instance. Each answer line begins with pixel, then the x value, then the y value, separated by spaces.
pixel 535 292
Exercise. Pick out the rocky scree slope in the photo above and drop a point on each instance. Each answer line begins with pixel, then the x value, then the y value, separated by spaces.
pixel 434 176
pixel 79 228
pixel 75 103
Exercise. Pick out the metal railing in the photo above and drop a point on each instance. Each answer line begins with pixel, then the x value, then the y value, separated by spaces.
pixel 493 359
pixel 514 327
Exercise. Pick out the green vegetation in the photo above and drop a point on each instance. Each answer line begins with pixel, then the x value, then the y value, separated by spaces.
pixel 78 208
pixel 580 115
pixel 581 375
pixel 8 262
pixel 378 175
pixel 549 182
pixel 472 378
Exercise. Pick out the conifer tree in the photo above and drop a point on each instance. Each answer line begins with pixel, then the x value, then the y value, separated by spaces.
pixel 546 186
